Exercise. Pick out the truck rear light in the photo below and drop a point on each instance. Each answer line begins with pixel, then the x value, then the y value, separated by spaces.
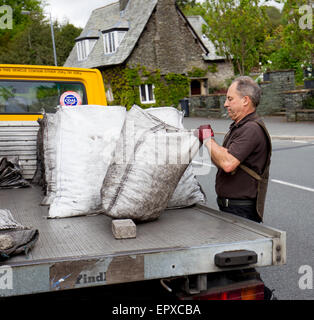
pixel 255 292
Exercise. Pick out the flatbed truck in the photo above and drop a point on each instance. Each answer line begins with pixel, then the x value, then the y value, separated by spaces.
pixel 192 243
pixel 195 252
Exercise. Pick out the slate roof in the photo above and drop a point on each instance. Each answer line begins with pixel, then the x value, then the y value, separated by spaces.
pixel 135 17
pixel 197 24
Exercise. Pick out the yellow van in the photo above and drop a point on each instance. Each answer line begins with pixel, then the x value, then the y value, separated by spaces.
pixel 26 91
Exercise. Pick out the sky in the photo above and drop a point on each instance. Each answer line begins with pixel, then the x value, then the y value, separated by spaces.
pixel 77 12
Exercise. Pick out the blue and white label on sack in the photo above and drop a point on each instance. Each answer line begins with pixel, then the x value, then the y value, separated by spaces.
pixel 70 98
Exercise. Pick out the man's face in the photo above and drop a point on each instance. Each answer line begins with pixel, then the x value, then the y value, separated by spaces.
pixel 235 104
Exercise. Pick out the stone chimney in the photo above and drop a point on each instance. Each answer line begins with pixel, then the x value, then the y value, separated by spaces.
pixel 123 4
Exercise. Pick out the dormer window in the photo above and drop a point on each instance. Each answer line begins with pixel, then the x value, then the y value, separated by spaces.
pixel 84 48
pixel 112 40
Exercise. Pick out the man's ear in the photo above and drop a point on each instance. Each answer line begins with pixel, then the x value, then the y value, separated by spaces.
pixel 246 101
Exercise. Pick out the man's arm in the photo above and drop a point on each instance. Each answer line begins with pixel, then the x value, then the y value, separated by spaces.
pixel 221 157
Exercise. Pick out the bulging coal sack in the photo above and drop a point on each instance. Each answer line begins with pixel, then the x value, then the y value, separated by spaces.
pixel 150 159
pixel 85 140
pixel 188 191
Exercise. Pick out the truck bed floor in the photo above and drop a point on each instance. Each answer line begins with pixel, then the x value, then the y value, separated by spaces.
pixel 92 235
pixel 81 251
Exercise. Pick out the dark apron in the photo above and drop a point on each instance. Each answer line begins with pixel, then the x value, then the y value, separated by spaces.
pixel 262 180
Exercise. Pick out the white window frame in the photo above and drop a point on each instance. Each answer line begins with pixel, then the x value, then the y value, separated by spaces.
pixel 112 41
pixel 109 42
pixel 146 99
pixel 84 48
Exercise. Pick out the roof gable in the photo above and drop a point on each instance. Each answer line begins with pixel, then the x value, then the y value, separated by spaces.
pixel 134 18
pixel 197 23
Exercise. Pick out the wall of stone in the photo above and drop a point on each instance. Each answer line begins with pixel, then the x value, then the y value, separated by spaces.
pixel 282 79
pixel 211 105
pixel 273 98
pixel 224 71
pixel 304 115
pixel 278 93
pixel 169 49
pixel 174 50
pixel 295 102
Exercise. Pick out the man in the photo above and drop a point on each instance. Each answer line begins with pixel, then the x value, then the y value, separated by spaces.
pixel 243 159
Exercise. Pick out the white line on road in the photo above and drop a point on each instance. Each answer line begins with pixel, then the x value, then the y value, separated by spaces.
pixel 302 141
pixel 292 185
pixel 199 163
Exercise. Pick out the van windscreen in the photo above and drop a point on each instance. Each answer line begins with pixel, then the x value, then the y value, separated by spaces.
pixel 19 96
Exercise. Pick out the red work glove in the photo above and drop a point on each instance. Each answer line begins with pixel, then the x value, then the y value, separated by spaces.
pixel 204 132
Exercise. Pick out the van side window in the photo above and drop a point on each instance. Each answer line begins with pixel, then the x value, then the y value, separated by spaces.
pixel 19 96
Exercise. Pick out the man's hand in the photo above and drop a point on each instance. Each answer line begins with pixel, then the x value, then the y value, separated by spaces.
pixel 204 132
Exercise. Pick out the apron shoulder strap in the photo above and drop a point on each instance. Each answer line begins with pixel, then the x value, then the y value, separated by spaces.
pixel 251 172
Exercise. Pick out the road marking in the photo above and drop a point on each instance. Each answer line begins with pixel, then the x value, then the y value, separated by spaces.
pixel 301 141
pixel 199 163
pixel 292 185
pixel 295 147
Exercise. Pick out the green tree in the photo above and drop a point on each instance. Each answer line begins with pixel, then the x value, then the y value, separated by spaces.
pixel 29 46
pixel 185 3
pixel 274 28
pixel 274 18
pixel 292 43
pixel 238 28
pixel 32 43
pixel 194 9
pixel 65 35
pixel 297 37
pixel 20 21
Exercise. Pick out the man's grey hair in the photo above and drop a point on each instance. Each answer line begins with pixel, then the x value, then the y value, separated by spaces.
pixel 246 86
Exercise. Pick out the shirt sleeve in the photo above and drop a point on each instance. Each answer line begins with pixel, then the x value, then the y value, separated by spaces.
pixel 246 141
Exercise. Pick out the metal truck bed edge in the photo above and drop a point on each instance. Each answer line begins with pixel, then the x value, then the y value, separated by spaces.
pixel 81 251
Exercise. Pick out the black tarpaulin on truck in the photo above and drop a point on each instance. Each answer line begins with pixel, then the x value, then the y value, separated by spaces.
pixel 10 175
pixel 14 237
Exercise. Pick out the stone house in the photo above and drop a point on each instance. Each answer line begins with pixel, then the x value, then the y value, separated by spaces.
pixel 156 38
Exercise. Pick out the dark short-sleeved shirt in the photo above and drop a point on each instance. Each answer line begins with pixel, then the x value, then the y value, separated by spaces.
pixel 247 142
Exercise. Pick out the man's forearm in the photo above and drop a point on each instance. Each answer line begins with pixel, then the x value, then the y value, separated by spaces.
pixel 221 157
pixel 208 144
